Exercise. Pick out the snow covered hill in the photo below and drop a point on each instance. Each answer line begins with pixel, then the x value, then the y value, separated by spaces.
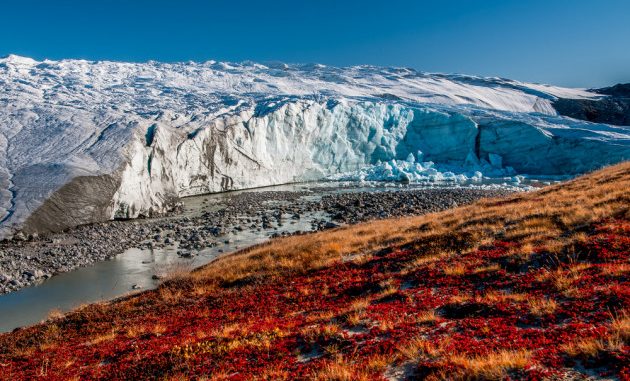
pixel 89 141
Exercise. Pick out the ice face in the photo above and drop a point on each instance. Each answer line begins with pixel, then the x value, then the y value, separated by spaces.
pixel 102 140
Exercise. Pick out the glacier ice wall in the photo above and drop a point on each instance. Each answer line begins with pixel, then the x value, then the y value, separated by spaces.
pixel 89 141
pixel 302 141
pixel 298 141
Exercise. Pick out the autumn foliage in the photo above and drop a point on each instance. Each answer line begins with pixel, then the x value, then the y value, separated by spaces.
pixel 533 286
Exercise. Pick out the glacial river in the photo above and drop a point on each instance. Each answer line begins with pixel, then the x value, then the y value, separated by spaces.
pixel 135 269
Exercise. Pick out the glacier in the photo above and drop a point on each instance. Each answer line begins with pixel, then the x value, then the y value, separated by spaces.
pixel 85 141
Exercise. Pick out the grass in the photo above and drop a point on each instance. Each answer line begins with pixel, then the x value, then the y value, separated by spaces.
pixel 620 327
pixel 420 348
pixel 523 287
pixel 555 213
pixel 615 341
pixel 340 369
pixel 542 306
pixel 491 366
pixel 455 270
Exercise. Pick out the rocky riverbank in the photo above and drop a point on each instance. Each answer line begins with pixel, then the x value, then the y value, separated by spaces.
pixel 210 220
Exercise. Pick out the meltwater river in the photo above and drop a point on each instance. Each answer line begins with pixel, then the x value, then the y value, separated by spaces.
pixel 137 269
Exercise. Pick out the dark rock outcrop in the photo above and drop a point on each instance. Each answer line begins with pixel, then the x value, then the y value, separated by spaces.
pixel 612 108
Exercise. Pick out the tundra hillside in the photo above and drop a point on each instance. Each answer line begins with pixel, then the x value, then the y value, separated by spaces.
pixel 531 286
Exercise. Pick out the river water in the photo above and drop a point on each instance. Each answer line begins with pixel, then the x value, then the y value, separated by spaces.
pixel 106 280
pixel 135 269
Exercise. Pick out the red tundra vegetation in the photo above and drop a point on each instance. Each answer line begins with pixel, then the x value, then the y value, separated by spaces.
pixel 532 286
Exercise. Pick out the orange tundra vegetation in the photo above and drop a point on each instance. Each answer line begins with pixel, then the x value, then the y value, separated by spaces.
pixel 530 286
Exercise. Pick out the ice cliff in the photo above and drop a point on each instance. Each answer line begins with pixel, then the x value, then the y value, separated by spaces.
pixel 90 141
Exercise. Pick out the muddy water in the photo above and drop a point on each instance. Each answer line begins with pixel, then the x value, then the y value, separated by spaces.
pixel 133 269
pixel 137 269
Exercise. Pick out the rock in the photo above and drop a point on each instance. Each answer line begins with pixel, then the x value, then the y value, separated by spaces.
pixel 29 273
pixel 186 254
pixel 22 264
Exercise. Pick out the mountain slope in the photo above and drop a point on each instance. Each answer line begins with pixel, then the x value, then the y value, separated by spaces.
pixel 86 141
pixel 612 109
pixel 532 286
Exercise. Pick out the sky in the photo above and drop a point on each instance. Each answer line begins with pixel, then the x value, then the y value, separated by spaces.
pixel 578 43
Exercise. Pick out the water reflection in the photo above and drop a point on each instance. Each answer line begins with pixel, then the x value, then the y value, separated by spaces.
pixel 135 269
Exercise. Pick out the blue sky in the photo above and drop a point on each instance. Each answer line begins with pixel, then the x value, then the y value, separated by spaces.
pixel 566 42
